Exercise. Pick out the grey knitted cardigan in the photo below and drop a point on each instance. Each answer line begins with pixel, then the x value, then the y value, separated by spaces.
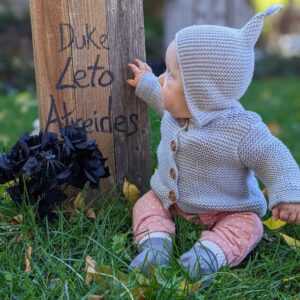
pixel 209 163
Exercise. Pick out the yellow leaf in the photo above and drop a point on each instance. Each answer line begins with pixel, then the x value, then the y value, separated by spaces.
pixel 293 243
pixel 79 201
pixel 27 257
pixel 264 191
pixel 190 287
pixel 274 128
pixel 288 279
pixel 89 213
pixel 272 224
pixel 152 272
pixel 130 191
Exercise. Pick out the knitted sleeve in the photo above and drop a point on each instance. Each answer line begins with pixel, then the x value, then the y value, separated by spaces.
pixel 273 163
pixel 148 90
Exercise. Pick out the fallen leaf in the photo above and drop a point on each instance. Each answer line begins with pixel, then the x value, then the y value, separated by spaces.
pixel 264 191
pixel 293 243
pixel 2 218
pixel 152 272
pixel 274 128
pixel 79 201
pixel 9 184
pixel 89 213
pixel 90 265
pixel 195 287
pixel 131 192
pixel 288 279
pixel 141 297
pixel 95 297
pixel 190 287
pixel 272 224
pixel 24 236
pixel 15 220
pixel 27 259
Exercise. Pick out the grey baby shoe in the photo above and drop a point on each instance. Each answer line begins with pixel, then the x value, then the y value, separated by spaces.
pixel 200 261
pixel 154 250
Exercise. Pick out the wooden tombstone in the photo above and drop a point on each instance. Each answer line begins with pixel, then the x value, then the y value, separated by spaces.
pixel 81 53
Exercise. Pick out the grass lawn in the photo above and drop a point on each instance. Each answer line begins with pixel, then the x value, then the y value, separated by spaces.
pixel 270 271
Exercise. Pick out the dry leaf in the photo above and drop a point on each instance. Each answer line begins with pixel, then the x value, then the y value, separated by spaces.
pixel 15 220
pixel 184 286
pixel 79 201
pixel 2 217
pixel 131 192
pixel 274 128
pixel 89 213
pixel 152 272
pixel 272 224
pixel 96 297
pixel 264 191
pixel 24 236
pixel 293 243
pixel 9 184
pixel 27 257
pixel 141 297
pixel 90 268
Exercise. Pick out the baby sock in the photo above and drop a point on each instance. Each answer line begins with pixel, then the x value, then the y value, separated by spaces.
pixel 204 258
pixel 155 248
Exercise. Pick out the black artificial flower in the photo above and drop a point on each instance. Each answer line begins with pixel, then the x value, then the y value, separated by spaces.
pixel 42 163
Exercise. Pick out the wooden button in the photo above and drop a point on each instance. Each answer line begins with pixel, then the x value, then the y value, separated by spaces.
pixel 173 145
pixel 172 196
pixel 173 173
pixel 183 122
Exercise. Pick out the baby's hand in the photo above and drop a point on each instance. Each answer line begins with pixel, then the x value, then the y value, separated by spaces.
pixel 138 71
pixel 288 212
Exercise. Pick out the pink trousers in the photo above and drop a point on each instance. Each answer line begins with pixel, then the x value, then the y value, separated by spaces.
pixel 236 233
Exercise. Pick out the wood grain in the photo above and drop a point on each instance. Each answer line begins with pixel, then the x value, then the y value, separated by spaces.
pixel 125 25
pixel 81 52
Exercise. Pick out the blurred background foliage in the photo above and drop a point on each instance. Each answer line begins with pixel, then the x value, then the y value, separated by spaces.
pixel 274 92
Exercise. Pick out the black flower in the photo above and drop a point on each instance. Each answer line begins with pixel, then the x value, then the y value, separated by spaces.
pixel 43 164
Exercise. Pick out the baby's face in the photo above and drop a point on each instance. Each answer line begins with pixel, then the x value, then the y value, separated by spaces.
pixel 172 93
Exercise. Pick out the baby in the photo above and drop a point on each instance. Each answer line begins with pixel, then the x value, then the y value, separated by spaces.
pixel 210 151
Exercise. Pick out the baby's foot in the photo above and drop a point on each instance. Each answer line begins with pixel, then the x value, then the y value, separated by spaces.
pixel 154 250
pixel 199 261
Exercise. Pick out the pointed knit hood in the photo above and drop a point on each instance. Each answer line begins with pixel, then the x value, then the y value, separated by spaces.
pixel 216 65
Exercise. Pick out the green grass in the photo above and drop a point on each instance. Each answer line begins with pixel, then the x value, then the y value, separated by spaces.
pixel 17 113
pixel 60 248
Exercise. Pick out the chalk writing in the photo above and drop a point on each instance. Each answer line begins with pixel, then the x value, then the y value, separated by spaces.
pixel 105 124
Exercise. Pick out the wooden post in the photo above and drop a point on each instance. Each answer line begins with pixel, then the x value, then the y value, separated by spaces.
pixel 81 51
